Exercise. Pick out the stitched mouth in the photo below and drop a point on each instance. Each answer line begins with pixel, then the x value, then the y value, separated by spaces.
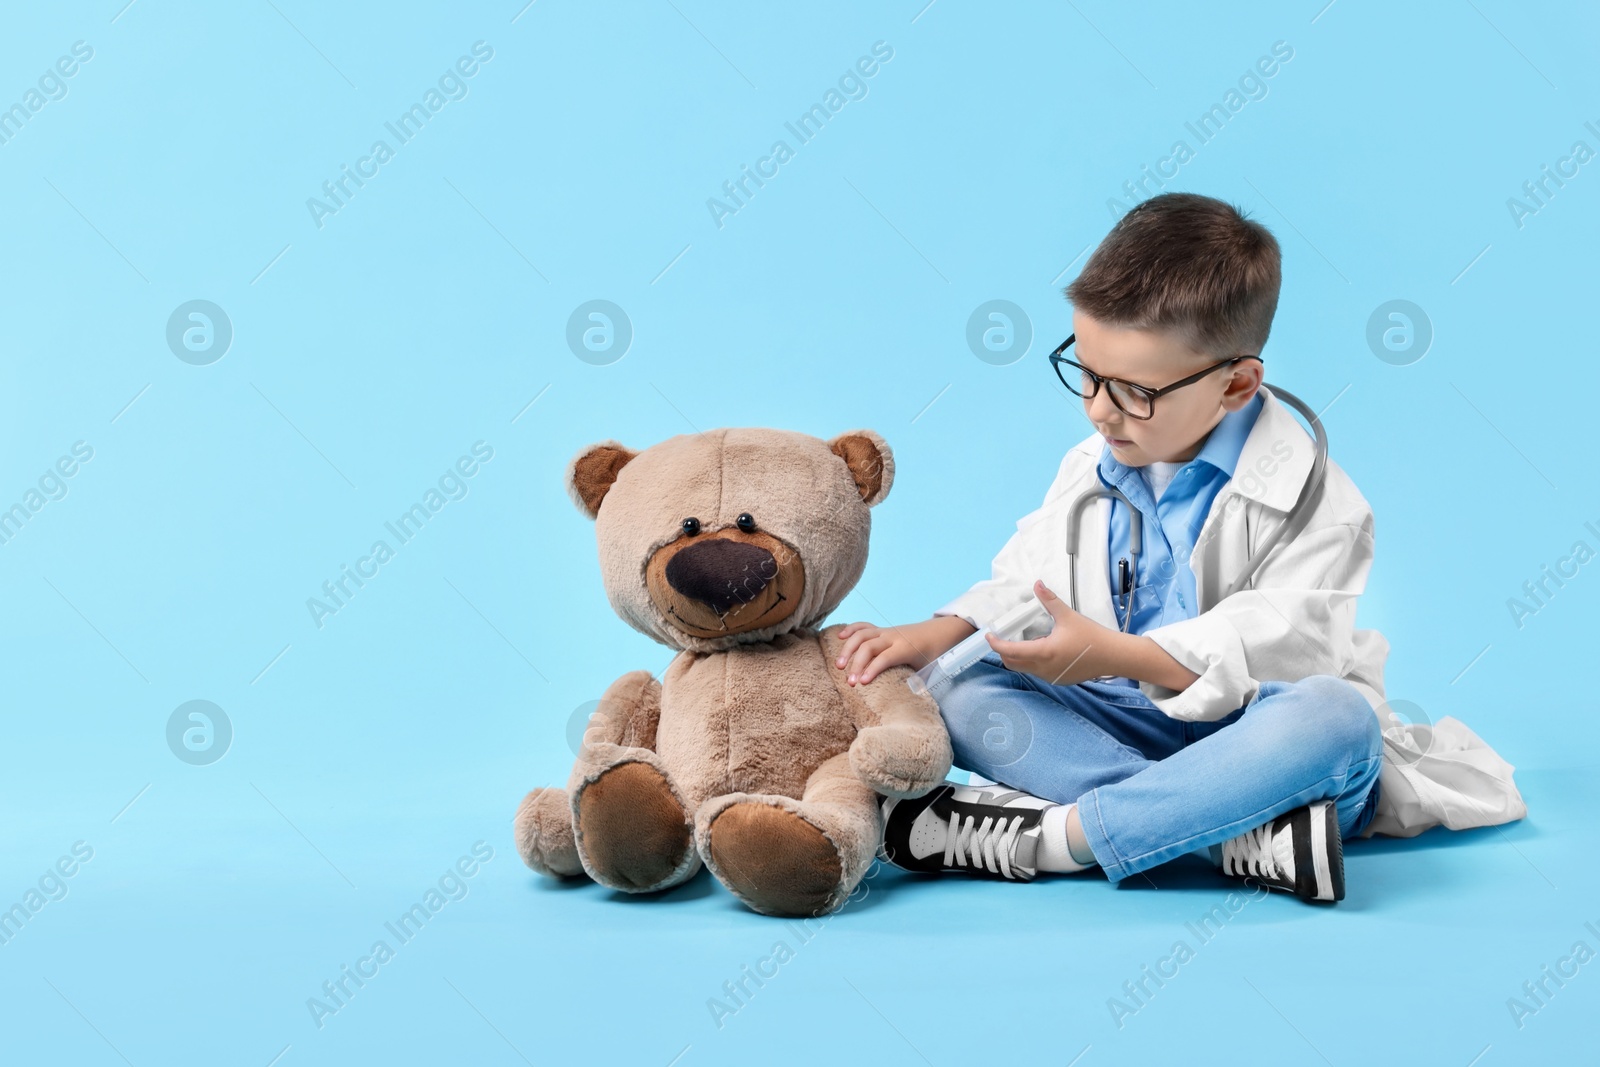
pixel 723 618
pixel 775 603
pixel 686 624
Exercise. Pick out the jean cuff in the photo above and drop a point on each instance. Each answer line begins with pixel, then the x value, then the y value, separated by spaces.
pixel 1094 832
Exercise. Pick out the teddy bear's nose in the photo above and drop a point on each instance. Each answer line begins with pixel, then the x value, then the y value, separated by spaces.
pixel 721 573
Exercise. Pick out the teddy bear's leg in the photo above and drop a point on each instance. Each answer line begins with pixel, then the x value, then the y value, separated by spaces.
pixel 631 826
pixel 624 722
pixel 790 857
pixel 543 828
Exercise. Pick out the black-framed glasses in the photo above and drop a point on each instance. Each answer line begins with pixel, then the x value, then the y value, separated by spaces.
pixel 1134 401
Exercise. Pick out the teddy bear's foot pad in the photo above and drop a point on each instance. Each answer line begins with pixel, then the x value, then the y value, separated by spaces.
pixel 774 860
pixel 636 836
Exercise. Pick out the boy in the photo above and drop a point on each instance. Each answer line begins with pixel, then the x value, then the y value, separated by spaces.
pixel 1167 720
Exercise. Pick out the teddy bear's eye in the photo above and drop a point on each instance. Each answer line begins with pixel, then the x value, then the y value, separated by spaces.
pixel 746 522
pixel 691 526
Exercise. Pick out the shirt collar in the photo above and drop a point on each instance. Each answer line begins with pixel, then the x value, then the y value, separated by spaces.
pixel 1221 449
pixel 1227 438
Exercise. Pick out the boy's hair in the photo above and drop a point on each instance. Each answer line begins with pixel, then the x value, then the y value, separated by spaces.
pixel 1188 264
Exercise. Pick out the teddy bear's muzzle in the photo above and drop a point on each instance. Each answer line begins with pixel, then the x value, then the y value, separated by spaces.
pixel 727 583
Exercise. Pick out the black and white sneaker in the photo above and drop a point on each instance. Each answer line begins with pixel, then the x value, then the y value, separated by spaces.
pixel 1299 852
pixel 989 831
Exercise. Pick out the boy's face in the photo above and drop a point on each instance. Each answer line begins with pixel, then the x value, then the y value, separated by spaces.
pixel 1155 358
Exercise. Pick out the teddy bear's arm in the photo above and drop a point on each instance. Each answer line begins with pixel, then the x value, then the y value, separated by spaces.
pixel 902 748
pixel 629 712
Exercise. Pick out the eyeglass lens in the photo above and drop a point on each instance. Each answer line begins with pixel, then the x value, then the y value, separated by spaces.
pixel 1132 401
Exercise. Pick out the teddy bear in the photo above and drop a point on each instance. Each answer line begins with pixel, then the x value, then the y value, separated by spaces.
pixel 750 755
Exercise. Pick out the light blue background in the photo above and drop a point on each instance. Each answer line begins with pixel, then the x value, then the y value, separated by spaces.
pixel 425 316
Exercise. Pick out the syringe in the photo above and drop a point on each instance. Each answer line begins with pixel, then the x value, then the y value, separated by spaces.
pixel 1007 627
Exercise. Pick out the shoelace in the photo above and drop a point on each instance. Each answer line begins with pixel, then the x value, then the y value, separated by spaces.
pixel 989 846
pixel 1250 853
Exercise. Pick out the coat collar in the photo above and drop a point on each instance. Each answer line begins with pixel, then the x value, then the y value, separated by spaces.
pixel 1276 459
pixel 1272 466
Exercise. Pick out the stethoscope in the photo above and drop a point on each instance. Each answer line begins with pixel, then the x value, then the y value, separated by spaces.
pixel 1299 515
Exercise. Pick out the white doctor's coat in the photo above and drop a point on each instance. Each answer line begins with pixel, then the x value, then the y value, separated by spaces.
pixel 1297 618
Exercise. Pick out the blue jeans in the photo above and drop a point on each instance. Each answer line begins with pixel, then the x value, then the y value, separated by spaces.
pixel 1150 787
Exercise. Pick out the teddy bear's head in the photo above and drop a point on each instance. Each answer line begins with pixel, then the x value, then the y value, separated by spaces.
pixel 729 537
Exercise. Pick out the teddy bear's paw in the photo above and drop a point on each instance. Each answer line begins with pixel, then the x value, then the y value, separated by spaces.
pixel 543 829
pixel 633 833
pixel 900 762
pixel 774 860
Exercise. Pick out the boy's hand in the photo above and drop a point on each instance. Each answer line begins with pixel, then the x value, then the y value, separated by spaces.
pixel 1076 650
pixel 870 650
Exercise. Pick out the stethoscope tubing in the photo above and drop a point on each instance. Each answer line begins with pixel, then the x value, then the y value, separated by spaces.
pixel 1298 516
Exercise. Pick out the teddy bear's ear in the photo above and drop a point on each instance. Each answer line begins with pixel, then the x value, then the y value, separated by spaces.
pixel 870 461
pixel 591 473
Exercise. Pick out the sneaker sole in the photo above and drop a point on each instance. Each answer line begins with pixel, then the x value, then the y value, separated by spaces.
pixel 1327 850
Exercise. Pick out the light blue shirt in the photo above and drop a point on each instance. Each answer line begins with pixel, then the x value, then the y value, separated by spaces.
pixel 1165 591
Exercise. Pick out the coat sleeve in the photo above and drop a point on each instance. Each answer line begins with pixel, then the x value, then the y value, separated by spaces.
pixel 1297 620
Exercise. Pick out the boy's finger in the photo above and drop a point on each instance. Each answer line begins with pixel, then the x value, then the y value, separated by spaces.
pixel 1020 648
pixel 1057 607
pixel 1012 653
pixel 853 642
pixel 881 662
pixel 863 656
pixel 1001 645
pixel 844 653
